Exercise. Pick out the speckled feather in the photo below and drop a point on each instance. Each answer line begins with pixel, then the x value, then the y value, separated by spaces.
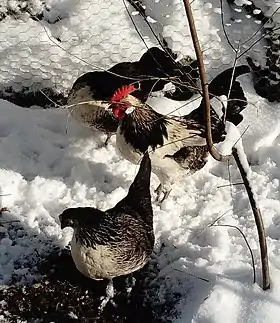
pixel 92 113
pixel 118 241
pixel 191 158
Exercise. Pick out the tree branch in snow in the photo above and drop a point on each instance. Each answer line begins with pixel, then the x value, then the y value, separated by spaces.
pixel 192 275
pixel 258 220
pixel 213 151
pixel 220 157
pixel 246 241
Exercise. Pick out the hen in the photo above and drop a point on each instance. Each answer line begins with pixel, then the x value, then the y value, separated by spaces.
pixel 89 96
pixel 175 143
pixel 116 242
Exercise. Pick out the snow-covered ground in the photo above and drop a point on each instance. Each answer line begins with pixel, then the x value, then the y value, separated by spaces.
pixel 48 163
pixel 45 170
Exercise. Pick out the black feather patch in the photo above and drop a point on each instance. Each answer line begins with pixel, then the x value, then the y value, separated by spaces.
pixel 237 102
pixel 143 128
pixel 139 196
pixel 221 83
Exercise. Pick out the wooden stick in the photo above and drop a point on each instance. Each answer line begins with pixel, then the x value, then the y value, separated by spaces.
pixel 258 220
pixel 213 151
pixel 216 155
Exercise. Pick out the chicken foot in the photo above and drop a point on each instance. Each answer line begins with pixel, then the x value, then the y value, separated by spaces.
pixel 110 293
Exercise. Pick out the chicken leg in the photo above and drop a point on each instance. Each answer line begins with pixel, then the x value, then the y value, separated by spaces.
pixel 159 190
pixel 109 135
pixel 110 293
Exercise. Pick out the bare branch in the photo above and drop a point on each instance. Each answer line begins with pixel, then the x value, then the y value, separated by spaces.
pixel 224 28
pixel 192 275
pixel 247 243
pixel 140 78
pixel 258 220
pixel 213 151
pixel 218 156
pixel 161 43
pixel 230 184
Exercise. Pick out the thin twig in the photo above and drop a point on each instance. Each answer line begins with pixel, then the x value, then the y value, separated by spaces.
pixel 247 243
pixel 203 229
pixel 224 28
pixel 262 27
pixel 258 220
pixel 231 82
pixel 229 179
pixel 140 78
pixel 157 38
pixel 231 184
pixel 142 39
pixel 46 96
pixel 195 276
pixel 241 136
pixel 257 41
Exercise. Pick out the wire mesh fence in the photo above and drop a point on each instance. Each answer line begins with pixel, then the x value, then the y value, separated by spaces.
pixel 47 44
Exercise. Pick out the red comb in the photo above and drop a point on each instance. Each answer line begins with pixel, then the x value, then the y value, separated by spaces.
pixel 123 92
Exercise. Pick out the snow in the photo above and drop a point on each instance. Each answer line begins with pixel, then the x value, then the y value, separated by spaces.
pixel 45 169
pixel 76 36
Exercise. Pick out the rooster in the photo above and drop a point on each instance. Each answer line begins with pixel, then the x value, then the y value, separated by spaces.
pixel 116 242
pixel 175 143
pixel 88 99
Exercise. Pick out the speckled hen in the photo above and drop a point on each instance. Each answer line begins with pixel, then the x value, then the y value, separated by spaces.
pixel 116 242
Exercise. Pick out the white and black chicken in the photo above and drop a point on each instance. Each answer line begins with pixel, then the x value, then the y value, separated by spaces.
pixel 116 242
pixel 175 143
pixel 89 97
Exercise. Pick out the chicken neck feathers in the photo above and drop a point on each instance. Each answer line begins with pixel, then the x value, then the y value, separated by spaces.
pixel 134 212
pixel 145 128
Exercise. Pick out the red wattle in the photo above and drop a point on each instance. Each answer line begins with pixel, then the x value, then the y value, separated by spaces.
pixel 119 113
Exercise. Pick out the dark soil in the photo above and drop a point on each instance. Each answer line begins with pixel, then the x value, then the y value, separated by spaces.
pixel 45 98
pixel 64 295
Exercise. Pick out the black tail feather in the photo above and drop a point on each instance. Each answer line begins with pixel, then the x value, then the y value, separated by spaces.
pixel 162 64
pixel 220 85
pixel 237 101
pixel 141 184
